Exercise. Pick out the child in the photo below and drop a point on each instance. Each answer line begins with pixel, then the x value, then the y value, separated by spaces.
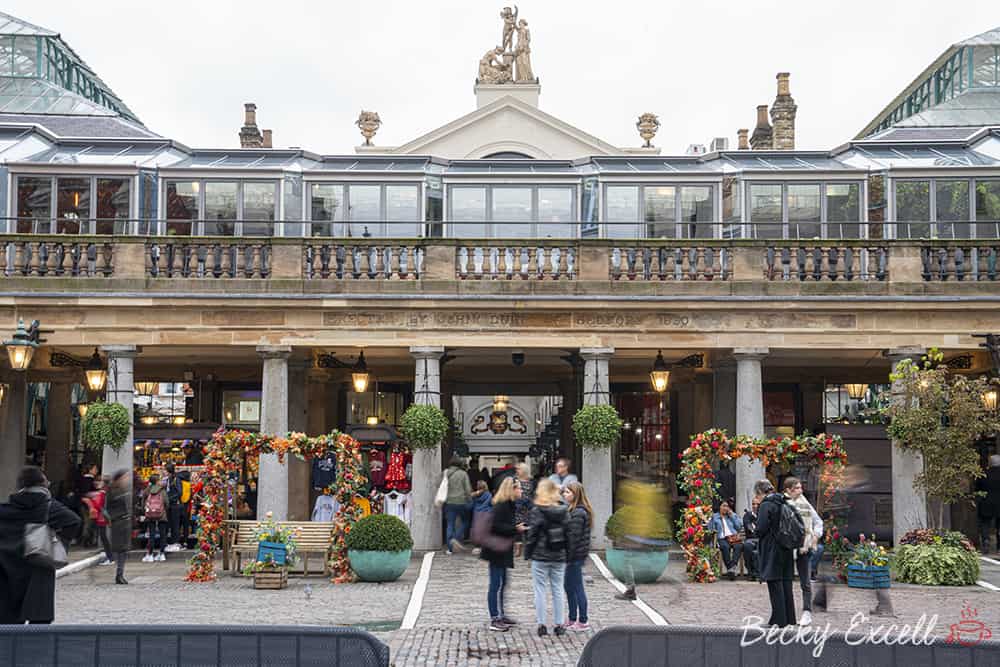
pixel 580 521
pixel 155 516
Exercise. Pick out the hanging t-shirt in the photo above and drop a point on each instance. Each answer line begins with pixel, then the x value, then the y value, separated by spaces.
pixel 398 505
pixel 376 467
pixel 324 472
pixel 325 509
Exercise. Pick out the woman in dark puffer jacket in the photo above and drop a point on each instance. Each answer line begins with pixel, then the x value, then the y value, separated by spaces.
pixel 580 520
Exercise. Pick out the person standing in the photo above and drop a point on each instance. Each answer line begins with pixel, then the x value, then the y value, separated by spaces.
pixel 988 505
pixel 120 512
pixel 803 555
pixel 580 522
pixel 527 485
pixel 155 514
pixel 27 591
pixel 500 553
pixel 750 541
pixel 456 505
pixel 562 476
pixel 99 502
pixel 727 526
pixel 172 484
pixel 548 548
pixel 777 563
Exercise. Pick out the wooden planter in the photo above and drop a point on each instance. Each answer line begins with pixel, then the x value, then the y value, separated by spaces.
pixel 271 579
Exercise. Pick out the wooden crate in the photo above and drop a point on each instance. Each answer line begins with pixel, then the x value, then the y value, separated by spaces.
pixel 271 579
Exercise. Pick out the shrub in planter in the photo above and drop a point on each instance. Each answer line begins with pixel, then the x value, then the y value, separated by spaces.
pixel 597 426
pixel 378 547
pixel 936 558
pixel 105 425
pixel 638 535
pixel 424 426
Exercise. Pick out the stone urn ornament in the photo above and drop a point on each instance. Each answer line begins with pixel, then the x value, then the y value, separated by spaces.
pixel 369 123
pixel 647 125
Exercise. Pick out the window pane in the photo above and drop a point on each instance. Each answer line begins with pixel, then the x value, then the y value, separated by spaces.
pixel 765 211
pixel 365 207
pixel 913 209
pixel 512 212
pixel 327 209
pixel 987 209
pixel 621 206
pixel 434 208
pixel 73 206
pixel 984 66
pixel 258 204
pixel 843 210
pixel 588 209
pixel 661 215
pixel 112 205
pixel 468 212
pixel 555 213
pixel 182 207
pixel 25 56
pixel 952 208
pixel 34 204
pixel 402 205
pixel 803 211
pixel 697 212
pixel 220 208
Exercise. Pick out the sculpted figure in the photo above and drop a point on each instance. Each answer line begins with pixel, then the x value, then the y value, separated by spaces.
pixel 522 54
pixel 491 69
pixel 509 24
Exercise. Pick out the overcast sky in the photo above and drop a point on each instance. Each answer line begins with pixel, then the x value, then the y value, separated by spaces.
pixel 186 68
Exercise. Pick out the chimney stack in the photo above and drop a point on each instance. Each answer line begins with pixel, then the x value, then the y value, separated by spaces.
pixel 763 135
pixel 267 139
pixel 742 139
pixel 783 115
pixel 250 136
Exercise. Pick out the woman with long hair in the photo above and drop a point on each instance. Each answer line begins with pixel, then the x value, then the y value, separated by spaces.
pixel 498 551
pixel 581 519
pixel 548 548
pixel 523 505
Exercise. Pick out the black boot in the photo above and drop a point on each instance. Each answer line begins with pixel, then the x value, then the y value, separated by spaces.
pixel 121 580
pixel 629 594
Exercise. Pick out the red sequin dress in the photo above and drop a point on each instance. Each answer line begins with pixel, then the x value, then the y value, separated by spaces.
pixel 395 476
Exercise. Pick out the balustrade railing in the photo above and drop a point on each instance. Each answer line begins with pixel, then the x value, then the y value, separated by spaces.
pixel 208 259
pixel 362 261
pixel 659 263
pixel 815 263
pixel 48 258
pixel 961 262
pixel 526 261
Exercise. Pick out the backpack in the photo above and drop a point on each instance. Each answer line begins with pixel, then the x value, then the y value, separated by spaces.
pixel 154 506
pixel 791 531
pixel 185 491
pixel 555 534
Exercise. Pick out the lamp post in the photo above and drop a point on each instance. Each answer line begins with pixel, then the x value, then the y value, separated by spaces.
pixel 360 376
pixel 660 375
pixel 21 348
pixel 989 398
pixel 97 376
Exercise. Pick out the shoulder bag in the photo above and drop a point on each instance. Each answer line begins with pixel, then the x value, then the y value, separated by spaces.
pixel 42 545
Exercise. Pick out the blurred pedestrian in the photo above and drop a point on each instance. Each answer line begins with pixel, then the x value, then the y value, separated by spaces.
pixel 120 513
pixel 456 508
pixel 498 551
pixel 777 563
pixel 524 503
pixel 562 476
pixel 548 548
pixel 988 505
pixel 99 504
pixel 581 519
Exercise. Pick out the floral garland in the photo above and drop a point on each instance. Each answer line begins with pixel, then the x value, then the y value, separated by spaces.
pixel 698 479
pixel 224 456
pixel 351 480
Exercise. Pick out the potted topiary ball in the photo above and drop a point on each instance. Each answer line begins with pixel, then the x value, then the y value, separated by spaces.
pixel 378 548
pixel 640 537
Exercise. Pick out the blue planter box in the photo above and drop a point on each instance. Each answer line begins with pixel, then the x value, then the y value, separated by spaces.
pixel 275 550
pixel 859 576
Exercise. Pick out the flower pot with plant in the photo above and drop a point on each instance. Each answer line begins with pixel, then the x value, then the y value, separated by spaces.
pixel 869 565
pixel 105 425
pixel 379 548
pixel 936 558
pixel 424 426
pixel 640 537
pixel 276 545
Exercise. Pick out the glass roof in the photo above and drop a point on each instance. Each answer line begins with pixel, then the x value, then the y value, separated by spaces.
pixel 508 166
pixel 241 160
pixel 772 162
pixel 147 154
pixel 402 163
pixel 658 165
pixel 915 157
pixel 42 97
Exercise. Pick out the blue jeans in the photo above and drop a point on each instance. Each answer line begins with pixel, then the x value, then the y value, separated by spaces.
pixel 494 597
pixel 817 556
pixel 548 577
pixel 452 513
pixel 575 595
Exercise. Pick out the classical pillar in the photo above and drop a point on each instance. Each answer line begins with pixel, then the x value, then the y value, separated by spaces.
pixel 272 483
pixel 14 432
pixel 909 504
pixel 59 433
pixel 426 520
pixel 597 473
pixel 120 390
pixel 749 419
pixel 298 470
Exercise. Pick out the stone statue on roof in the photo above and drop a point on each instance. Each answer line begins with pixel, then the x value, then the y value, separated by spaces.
pixel 522 54
pixel 509 63
pixel 509 25
pixel 494 70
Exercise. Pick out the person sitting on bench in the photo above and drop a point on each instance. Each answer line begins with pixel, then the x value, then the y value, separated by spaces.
pixel 727 526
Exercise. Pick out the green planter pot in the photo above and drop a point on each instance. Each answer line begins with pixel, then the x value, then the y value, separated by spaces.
pixel 645 566
pixel 379 565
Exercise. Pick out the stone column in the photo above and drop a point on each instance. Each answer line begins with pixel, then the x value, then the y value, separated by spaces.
pixel 749 419
pixel 426 520
pixel 272 484
pixel 909 504
pixel 298 470
pixel 14 432
pixel 597 472
pixel 120 390
pixel 59 434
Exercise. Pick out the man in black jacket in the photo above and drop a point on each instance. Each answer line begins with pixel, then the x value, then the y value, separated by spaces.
pixel 174 489
pixel 751 542
pixel 988 505
pixel 776 563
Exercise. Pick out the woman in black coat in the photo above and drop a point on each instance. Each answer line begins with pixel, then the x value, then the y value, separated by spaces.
pixel 120 511
pixel 28 592
pixel 775 563
pixel 504 529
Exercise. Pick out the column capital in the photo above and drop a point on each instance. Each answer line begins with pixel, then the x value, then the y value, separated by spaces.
pixel 274 351
pixel 897 354
pixel 121 351
pixel 597 352
pixel 750 353
pixel 427 351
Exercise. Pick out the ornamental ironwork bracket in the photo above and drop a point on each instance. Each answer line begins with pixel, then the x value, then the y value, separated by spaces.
pixel 691 361
pixel 992 344
pixel 59 359
pixel 328 360
pixel 962 362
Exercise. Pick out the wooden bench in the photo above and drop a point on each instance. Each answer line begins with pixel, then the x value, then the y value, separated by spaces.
pixel 313 540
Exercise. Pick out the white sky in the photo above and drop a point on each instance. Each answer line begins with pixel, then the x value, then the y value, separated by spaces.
pixel 185 68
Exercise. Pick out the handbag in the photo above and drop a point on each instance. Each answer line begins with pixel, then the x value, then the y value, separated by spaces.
pixel 441 497
pixel 42 545
pixel 482 533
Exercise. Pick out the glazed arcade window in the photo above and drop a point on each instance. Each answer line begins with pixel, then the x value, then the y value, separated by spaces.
pixel 81 205
pixel 221 208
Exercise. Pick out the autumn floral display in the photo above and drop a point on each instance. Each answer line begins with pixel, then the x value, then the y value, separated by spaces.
pixel 698 479
pixel 224 456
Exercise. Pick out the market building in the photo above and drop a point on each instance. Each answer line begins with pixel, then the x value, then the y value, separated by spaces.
pixel 506 266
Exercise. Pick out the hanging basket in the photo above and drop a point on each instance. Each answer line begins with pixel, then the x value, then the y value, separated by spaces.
pixel 105 425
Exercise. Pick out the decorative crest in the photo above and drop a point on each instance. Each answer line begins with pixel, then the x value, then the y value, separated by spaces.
pixel 369 123
pixel 647 125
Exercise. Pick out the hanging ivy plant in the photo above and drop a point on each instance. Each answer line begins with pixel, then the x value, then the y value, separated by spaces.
pixel 424 426
pixel 105 425
pixel 597 426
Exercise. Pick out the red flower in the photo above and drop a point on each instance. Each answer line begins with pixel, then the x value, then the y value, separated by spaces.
pixel 697 482
pixel 690 532
pixel 829 441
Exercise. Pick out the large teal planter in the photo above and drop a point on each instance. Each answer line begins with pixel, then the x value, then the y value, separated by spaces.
pixel 635 565
pixel 379 565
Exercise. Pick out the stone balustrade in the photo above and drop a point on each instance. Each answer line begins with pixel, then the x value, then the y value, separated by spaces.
pixel 362 261
pixel 826 262
pixel 208 259
pixel 530 260
pixel 56 257
pixel 674 263
pixel 959 261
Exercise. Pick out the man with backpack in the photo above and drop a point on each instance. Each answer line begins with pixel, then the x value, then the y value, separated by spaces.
pixel 780 532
